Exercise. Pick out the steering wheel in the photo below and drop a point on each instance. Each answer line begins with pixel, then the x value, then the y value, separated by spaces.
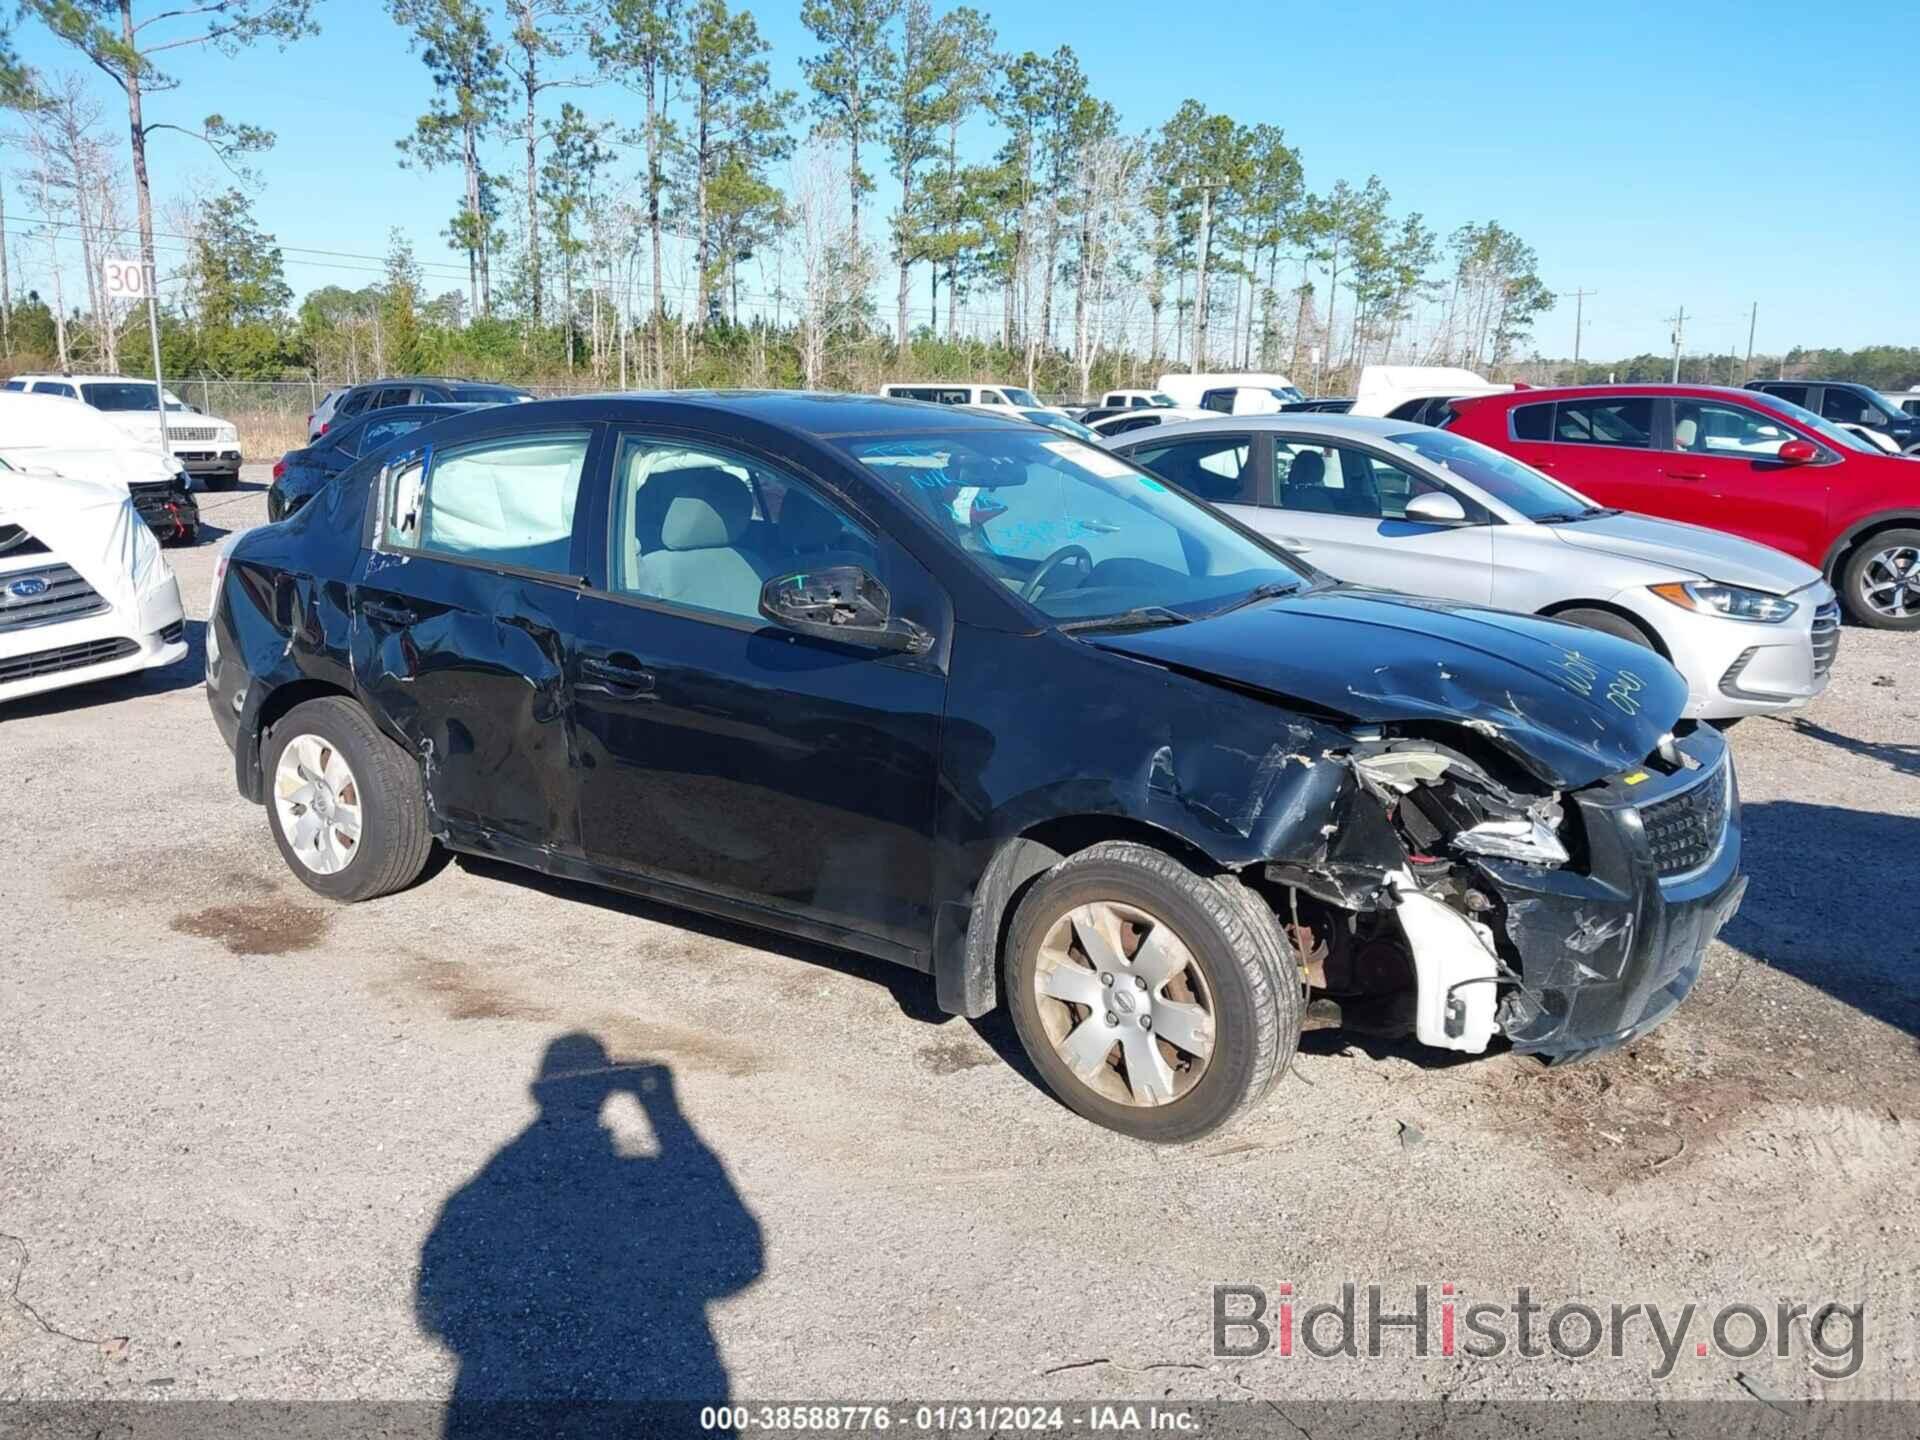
pixel 1054 562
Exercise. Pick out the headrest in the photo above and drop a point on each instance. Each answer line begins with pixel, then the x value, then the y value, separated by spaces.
pixel 707 508
pixel 1309 468
pixel 1685 432
pixel 656 497
pixel 806 524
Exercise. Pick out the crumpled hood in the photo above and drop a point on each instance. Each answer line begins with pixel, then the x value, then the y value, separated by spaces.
pixel 118 467
pixel 95 529
pixel 1570 705
pixel 1708 554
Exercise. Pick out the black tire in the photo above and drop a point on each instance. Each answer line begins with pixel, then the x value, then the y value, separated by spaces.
pixel 1248 970
pixel 394 840
pixel 1853 581
pixel 229 480
pixel 1607 623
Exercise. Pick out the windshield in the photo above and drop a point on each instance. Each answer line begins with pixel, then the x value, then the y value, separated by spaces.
pixel 1289 393
pixel 1159 401
pixel 1825 429
pixel 124 396
pixel 1065 424
pixel 1017 396
pixel 1503 478
pixel 1079 533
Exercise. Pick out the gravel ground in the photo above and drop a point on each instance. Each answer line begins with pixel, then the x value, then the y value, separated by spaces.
pixel 253 1145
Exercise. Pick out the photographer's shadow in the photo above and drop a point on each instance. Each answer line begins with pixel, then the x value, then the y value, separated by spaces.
pixel 567 1271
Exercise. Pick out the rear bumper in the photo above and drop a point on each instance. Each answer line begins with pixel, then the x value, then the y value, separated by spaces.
pixel 170 511
pixel 1606 955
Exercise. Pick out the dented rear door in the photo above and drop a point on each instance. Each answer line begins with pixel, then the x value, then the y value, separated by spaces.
pixel 461 617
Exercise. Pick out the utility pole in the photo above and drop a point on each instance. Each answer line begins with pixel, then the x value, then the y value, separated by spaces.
pixel 1753 319
pixel 1579 310
pixel 1679 335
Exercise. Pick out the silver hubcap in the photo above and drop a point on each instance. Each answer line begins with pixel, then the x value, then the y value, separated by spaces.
pixel 318 802
pixel 1125 1004
pixel 1890 583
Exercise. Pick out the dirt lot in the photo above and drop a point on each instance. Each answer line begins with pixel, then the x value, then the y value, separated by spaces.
pixel 251 1145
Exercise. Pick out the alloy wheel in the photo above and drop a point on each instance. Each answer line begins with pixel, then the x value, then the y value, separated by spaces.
pixel 318 803
pixel 1125 1004
pixel 1890 582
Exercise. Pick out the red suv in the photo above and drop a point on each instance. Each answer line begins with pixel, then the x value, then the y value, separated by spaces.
pixel 1734 460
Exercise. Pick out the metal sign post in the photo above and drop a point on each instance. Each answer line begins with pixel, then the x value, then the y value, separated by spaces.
pixel 135 280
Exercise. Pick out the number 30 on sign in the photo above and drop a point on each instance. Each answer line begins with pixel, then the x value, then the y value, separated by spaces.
pixel 126 279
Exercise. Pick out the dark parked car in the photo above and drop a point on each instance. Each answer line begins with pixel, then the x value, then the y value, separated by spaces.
pixel 299 474
pixel 1846 403
pixel 960 693
pixel 419 390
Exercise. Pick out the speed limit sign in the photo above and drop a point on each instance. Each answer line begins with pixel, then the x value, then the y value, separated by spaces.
pixel 126 279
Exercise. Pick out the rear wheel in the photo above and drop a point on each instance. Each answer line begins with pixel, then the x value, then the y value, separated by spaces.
pixel 346 804
pixel 1880 581
pixel 1607 623
pixel 1152 1000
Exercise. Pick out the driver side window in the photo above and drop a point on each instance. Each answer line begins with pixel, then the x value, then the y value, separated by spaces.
pixel 706 528
pixel 1703 427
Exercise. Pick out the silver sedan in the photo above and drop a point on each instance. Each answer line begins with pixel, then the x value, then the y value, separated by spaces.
pixel 1405 507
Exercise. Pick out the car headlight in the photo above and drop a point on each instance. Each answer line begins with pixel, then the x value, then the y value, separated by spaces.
pixel 1530 838
pixel 1735 602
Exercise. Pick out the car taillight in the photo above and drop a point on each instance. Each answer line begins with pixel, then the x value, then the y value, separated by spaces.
pixel 279 467
pixel 325 426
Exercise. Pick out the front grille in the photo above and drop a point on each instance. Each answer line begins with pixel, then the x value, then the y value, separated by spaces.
pixel 1685 831
pixel 67 657
pixel 1826 637
pixel 14 542
pixel 57 593
pixel 194 435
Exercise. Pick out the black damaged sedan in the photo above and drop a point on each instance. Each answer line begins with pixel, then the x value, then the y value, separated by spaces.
pixel 985 701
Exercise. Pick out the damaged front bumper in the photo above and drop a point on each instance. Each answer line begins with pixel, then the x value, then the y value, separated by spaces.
pixel 1608 948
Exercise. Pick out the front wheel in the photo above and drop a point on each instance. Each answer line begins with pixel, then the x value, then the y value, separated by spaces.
pixel 1607 623
pixel 346 804
pixel 1881 581
pixel 1152 1000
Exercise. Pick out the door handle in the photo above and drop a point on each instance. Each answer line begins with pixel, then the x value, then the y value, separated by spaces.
pixel 1685 474
pixel 616 674
pixel 393 612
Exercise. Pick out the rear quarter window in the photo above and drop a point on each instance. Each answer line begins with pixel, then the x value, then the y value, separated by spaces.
pixel 1533 422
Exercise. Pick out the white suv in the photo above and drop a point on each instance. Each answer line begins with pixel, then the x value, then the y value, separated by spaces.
pixel 208 448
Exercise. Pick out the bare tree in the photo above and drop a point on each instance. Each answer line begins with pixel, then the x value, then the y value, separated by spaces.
pixel 835 267
pixel 1109 171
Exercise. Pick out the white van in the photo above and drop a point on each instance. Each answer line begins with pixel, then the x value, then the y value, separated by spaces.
pixel 1419 393
pixel 1226 393
pixel 1135 400
pixel 966 393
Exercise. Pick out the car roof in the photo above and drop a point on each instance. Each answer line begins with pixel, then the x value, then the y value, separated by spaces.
pixel 435 380
pixel 813 415
pixel 1536 394
pixel 1332 427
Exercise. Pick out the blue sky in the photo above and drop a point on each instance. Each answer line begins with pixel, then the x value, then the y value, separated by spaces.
pixel 1702 153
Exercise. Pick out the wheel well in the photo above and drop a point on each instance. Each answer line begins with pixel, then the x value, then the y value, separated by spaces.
pixel 968 939
pixel 1653 636
pixel 1070 833
pixel 1865 533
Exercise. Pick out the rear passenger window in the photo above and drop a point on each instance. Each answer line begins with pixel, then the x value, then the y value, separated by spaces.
pixel 1847 406
pixel 1219 400
pixel 46 387
pixel 1533 422
pixel 500 502
pixel 1793 394
pixel 393 395
pixel 1215 467
pixel 1604 422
